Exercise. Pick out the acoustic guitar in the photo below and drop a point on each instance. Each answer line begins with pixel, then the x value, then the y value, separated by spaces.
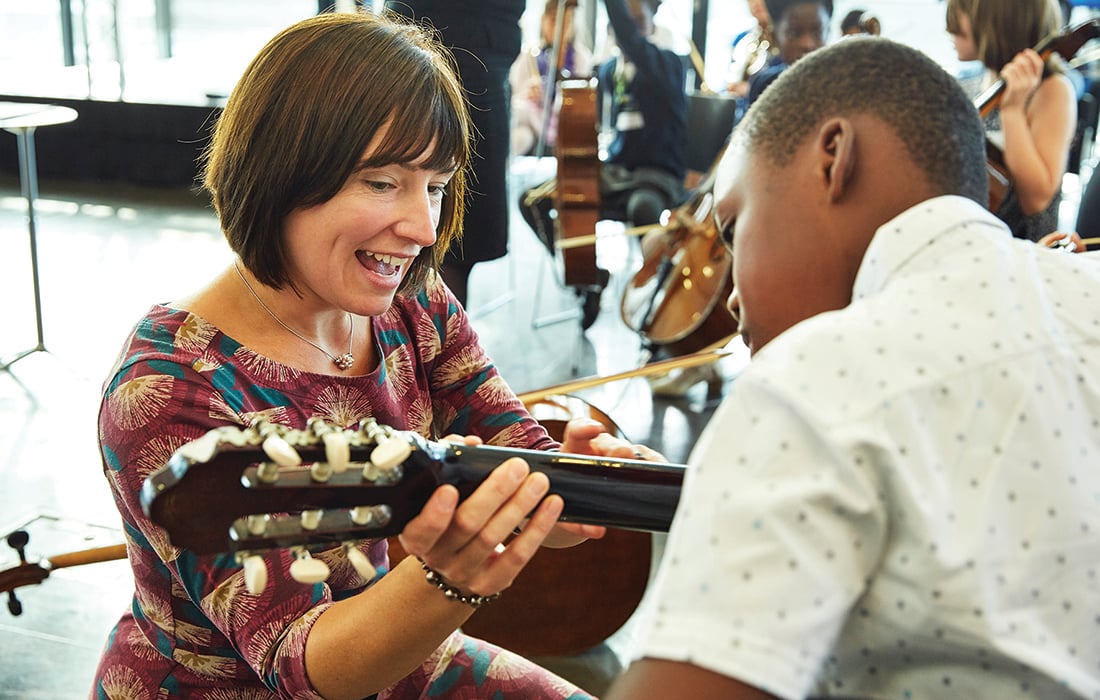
pixel 269 486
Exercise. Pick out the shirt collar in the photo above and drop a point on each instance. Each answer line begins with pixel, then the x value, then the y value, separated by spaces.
pixel 899 240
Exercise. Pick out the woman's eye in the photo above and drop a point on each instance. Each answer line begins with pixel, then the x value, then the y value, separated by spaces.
pixel 379 186
pixel 437 190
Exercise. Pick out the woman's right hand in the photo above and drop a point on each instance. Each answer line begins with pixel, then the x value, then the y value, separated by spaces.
pixel 463 540
pixel 1022 76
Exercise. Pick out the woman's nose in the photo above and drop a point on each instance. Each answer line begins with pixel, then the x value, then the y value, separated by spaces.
pixel 419 220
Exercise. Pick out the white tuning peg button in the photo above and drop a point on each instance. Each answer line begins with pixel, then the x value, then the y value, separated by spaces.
pixel 321 471
pixel 280 451
pixel 362 515
pixel 337 450
pixel 257 524
pixel 360 562
pixel 390 454
pixel 255 574
pixel 306 569
pixel 311 519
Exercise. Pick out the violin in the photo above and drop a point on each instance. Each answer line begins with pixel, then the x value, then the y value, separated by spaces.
pixel 676 301
pixel 1066 44
pixel 29 573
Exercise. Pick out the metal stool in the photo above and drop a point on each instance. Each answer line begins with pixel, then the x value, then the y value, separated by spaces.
pixel 21 119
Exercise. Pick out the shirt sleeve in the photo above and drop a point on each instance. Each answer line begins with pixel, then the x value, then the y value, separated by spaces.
pixel 779 524
pixel 664 68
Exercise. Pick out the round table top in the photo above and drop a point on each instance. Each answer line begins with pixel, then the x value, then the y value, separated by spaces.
pixel 28 115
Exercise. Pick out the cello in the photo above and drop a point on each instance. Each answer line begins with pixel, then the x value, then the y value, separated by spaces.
pixel 575 190
pixel 676 301
pixel 1066 44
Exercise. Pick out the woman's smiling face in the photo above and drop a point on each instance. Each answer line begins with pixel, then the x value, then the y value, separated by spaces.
pixel 353 250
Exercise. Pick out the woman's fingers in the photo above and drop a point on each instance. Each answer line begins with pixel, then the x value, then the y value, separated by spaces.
pixel 461 540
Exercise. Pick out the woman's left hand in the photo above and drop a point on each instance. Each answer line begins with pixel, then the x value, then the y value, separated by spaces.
pixel 588 436
pixel 1067 241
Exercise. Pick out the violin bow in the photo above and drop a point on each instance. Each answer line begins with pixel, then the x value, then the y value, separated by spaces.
pixel 711 353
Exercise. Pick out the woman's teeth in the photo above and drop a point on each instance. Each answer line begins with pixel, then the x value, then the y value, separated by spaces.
pixel 387 259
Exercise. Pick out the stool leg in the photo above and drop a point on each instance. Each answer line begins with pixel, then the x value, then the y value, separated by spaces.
pixel 28 184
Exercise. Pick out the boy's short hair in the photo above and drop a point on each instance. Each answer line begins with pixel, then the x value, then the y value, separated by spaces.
pixel 897 84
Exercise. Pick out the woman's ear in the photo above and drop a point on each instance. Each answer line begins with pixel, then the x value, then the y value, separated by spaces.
pixel 836 154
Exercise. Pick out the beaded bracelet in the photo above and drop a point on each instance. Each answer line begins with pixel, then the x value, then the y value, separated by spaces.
pixel 474 601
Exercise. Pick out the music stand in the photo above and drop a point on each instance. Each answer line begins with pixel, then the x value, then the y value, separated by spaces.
pixel 21 119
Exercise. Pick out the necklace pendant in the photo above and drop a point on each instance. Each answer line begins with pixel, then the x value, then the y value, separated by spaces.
pixel 344 361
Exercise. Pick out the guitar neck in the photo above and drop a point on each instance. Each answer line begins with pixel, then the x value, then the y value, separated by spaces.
pixel 628 494
pixel 222 502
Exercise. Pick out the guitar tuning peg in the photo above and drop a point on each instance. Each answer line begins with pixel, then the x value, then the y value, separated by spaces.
pixel 280 451
pixel 390 454
pixel 267 472
pixel 362 515
pixel 321 471
pixel 360 561
pixel 257 524
pixel 306 569
pixel 311 519
pixel 337 450
pixel 255 573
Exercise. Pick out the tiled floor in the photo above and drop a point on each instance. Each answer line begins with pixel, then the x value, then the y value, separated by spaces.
pixel 105 254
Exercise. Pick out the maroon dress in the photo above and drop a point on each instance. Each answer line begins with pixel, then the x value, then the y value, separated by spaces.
pixel 193 631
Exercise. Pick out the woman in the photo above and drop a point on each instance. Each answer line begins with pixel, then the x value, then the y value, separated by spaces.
pixel 338 171
pixel 1036 117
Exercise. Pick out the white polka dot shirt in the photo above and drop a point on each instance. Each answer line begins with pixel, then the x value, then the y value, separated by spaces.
pixel 901 499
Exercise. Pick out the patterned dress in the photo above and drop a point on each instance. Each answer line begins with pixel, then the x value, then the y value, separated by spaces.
pixel 193 630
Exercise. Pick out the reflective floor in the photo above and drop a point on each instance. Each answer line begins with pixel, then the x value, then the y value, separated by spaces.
pixel 105 253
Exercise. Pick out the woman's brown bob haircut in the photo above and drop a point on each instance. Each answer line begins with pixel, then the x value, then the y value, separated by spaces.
pixel 300 119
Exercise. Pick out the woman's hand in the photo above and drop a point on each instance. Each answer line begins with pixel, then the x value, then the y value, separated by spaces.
pixel 1070 242
pixel 1022 76
pixel 463 541
pixel 587 436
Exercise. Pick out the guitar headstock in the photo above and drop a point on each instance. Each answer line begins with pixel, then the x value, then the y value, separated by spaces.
pixel 268 486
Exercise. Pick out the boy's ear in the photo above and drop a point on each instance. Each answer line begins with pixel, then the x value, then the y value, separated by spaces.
pixel 836 155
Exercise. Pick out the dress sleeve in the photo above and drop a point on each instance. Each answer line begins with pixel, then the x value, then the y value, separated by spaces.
pixel 469 397
pixel 196 609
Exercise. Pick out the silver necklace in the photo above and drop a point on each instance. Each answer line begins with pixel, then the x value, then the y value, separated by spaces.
pixel 345 361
